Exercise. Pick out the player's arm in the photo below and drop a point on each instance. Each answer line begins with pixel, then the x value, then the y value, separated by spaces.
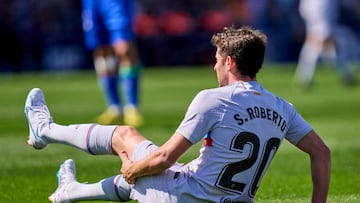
pixel 156 162
pixel 320 165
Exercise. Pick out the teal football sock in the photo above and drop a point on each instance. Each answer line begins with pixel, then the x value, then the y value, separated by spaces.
pixel 130 84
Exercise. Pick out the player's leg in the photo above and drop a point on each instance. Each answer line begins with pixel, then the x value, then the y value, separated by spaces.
pixel 113 188
pixel 91 138
pixel 107 73
pixel 130 71
pixel 317 31
pixel 309 55
pixel 105 63
pixel 70 190
pixel 119 23
pixel 342 60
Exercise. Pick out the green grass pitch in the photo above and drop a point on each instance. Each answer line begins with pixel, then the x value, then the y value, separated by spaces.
pixel 28 175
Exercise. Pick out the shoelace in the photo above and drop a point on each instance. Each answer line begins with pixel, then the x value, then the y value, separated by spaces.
pixel 64 174
pixel 43 116
pixel 42 112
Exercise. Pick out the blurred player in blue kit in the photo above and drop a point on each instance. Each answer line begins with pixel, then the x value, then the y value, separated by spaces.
pixel 320 18
pixel 108 29
pixel 244 126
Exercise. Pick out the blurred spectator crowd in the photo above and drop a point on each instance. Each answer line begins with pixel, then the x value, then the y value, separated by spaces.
pixel 47 35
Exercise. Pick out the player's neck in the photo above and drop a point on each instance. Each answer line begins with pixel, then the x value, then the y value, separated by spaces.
pixel 242 78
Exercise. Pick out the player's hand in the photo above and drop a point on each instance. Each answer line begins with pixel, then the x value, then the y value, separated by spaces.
pixel 126 168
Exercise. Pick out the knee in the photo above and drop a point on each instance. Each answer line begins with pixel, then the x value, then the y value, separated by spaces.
pixel 127 135
pixel 125 138
pixel 125 132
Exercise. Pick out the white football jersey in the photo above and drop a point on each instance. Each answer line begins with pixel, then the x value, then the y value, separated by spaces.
pixel 243 125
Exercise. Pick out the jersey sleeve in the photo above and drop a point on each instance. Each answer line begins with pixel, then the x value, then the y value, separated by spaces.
pixel 298 127
pixel 201 117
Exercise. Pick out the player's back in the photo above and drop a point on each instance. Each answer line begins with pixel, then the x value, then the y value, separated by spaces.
pixel 247 125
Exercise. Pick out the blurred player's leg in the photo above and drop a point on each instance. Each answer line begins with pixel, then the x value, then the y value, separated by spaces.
pixel 97 40
pixel 130 86
pixel 130 70
pixel 70 190
pixel 106 69
pixel 308 58
pixel 321 40
pixel 318 28
pixel 120 26
pixel 342 62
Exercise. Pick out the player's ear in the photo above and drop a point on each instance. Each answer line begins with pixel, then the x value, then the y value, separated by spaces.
pixel 230 64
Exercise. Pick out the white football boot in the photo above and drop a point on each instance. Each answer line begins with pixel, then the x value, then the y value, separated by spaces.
pixel 38 117
pixel 66 176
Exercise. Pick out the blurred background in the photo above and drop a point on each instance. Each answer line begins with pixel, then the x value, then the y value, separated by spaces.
pixel 37 35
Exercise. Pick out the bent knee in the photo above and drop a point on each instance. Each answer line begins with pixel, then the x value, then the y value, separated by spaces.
pixel 128 134
pixel 125 138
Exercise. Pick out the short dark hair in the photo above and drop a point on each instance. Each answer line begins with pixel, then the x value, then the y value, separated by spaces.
pixel 246 46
